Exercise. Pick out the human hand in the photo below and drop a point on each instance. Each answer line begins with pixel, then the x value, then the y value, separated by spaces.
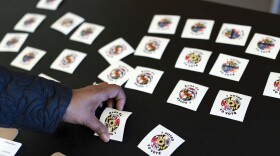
pixel 85 101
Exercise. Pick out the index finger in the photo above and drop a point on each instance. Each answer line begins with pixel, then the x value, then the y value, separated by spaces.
pixel 115 92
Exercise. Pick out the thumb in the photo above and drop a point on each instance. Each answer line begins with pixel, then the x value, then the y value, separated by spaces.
pixel 99 128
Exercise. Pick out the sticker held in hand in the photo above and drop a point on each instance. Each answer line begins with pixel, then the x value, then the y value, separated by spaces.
pixel 115 121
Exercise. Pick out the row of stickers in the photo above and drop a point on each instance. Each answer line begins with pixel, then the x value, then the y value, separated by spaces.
pixel 261 45
pixel 187 94
pixel 226 66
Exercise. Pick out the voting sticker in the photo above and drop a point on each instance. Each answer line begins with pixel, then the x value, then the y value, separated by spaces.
pixel 187 94
pixel 160 142
pixel 29 22
pixel 48 4
pixel 164 24
pixel 152 47
pixel 12 42
pixel 264 45
pixel 272 88
pixel 229 67
pixel 193 59
pixel 117 73
pixel 233 34
pixel 68 61
pixel 67 23
pixel 116 50
pixel 87 33
pixel 231 105
pixel 144 79
pixel 115 121
pixel 198 29
pixel 28 58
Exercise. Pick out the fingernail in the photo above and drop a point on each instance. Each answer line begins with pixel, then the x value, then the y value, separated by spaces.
pixel 104 137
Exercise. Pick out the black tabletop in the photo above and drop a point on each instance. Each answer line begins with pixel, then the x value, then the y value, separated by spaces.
pixel 204 134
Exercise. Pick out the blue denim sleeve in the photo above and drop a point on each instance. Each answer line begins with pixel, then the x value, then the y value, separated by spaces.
pixel 28 101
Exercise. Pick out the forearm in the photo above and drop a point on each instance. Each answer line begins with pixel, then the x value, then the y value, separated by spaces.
pixel 28 101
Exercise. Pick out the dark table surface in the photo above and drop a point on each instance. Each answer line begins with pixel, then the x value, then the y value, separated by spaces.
pixel 204 134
